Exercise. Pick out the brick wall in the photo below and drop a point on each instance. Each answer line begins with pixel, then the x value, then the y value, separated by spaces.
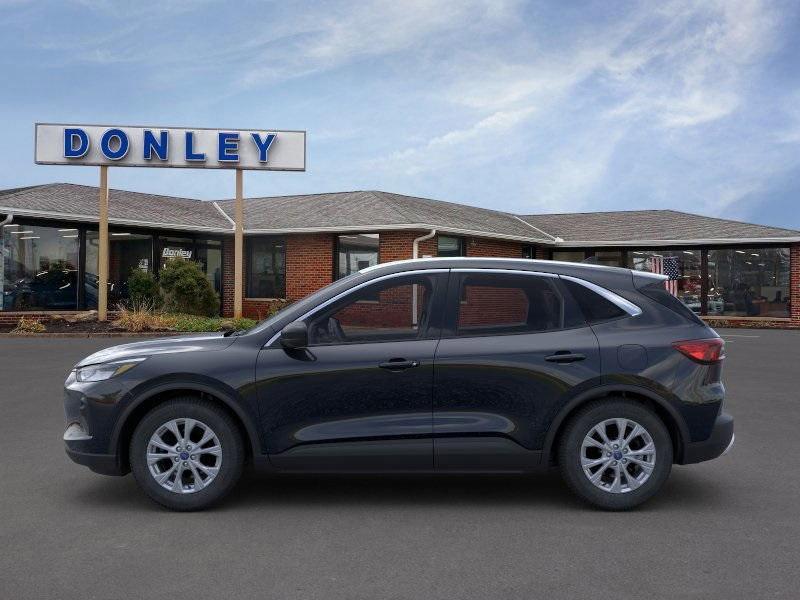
pixel 794 284
pixel 494 248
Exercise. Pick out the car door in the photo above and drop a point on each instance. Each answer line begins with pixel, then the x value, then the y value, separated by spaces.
pixel 360 396
pixel 514 348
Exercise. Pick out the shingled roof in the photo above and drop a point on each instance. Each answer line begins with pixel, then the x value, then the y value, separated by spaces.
pixel 79 202
pixel 364 211
pixel 635 227
pixel 374 210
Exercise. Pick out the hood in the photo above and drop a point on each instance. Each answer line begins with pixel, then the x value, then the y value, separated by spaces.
pixel 198 343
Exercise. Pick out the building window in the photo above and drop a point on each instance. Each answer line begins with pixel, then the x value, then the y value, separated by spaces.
pixel 450 246
pixel 568 255
pixel 748 282
pixel 608 258
pixel 266 267
pixel 39 267
pixel 355 252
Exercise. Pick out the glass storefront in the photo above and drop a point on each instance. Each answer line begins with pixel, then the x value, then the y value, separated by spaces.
pixel 39 267
pixel 687 268
pixel 749 282
pixel 128 251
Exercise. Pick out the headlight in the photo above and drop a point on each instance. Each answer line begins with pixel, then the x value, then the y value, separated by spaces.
pixel 105 371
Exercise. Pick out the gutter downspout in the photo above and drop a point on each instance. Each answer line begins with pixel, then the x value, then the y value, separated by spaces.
pixel 415 254
pixel 8 219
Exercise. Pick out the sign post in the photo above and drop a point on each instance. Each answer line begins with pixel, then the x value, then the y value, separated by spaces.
pixel 175 147
pixel 103 253
pixel 238 244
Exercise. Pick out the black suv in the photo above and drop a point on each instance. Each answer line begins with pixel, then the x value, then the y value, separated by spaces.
pixel 433 365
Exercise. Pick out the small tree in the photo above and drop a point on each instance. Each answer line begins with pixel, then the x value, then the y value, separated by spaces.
pixel 143 289
pixel 186 289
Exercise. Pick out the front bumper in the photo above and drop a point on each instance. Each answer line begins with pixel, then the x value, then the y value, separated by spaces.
pixel 105 464
pixel 718 443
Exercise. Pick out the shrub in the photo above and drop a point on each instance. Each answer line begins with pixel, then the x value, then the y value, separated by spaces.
pixel 143 289
pixel 186 290
pixel 26 325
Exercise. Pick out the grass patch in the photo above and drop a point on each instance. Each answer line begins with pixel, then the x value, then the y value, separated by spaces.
pixel 139 319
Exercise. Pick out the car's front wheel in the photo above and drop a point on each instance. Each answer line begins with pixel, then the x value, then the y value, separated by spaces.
pixel 615 453
pixel 186 454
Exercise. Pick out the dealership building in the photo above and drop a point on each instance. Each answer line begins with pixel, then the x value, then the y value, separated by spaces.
pixel 732 273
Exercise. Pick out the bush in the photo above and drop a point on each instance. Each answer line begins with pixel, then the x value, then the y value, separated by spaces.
pixel 186 290
pixel 26 325
pixel 143 289
pixel 193 323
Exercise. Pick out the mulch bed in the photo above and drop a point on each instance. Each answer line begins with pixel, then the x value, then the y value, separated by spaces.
pixel 83 327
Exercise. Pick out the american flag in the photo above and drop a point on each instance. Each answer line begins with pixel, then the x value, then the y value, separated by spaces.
pixel 668 265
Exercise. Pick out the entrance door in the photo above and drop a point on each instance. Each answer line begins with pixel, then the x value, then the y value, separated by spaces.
pixel 359 398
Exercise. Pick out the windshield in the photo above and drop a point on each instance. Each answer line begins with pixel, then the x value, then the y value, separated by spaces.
pixel 306 303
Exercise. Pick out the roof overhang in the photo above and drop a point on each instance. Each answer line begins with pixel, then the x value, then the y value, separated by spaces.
pixel 683 242
pixel 113 221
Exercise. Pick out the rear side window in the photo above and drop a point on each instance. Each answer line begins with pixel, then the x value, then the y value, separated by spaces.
pixel 595 308
pixel 658 292
pixel 498 304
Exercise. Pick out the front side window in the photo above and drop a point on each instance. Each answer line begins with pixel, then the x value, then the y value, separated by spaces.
pixel 39 267
pixel 749 282
pixel 356 252
pixel 395 309
pixel 266 267
pixel 497 304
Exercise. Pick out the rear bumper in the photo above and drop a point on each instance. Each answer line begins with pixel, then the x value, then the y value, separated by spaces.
pixel 719 442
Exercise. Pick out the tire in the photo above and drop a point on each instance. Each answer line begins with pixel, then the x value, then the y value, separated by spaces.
pixel 643 474
pixel 216 479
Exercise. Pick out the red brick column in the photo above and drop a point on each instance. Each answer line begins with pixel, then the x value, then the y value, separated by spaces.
pixel 227 277
pixel 542 253
pixel 794 283
pixel 309 263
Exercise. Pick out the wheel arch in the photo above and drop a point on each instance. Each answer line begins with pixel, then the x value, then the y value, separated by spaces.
pixel 148 399
pixel 662 407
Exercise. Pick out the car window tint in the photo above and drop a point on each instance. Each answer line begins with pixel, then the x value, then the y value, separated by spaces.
pixel 495 304
pixel 595 308
pixel 384 311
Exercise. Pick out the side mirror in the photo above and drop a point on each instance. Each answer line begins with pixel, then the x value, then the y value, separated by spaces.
pixel 294 335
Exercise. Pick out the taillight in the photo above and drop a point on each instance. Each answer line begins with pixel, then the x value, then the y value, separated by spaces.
pixel 703 351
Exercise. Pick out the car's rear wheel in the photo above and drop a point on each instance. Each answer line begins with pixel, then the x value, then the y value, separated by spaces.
pixel 615 453
pixel 186 454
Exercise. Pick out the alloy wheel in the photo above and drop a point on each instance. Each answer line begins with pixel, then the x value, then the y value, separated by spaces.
pixel 184 456
pixel 618 455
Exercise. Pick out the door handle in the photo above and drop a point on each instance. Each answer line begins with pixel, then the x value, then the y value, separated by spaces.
pixel 399 364
pixel 565 356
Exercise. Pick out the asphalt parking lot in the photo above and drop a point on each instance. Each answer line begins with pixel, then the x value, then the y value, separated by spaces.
pixel 725 529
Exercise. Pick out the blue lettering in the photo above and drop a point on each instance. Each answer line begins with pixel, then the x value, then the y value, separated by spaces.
pixel 263 145
pixel 228 147
pixel 122 144
pixel 159 146
pixel 190 153
pixel 70 137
